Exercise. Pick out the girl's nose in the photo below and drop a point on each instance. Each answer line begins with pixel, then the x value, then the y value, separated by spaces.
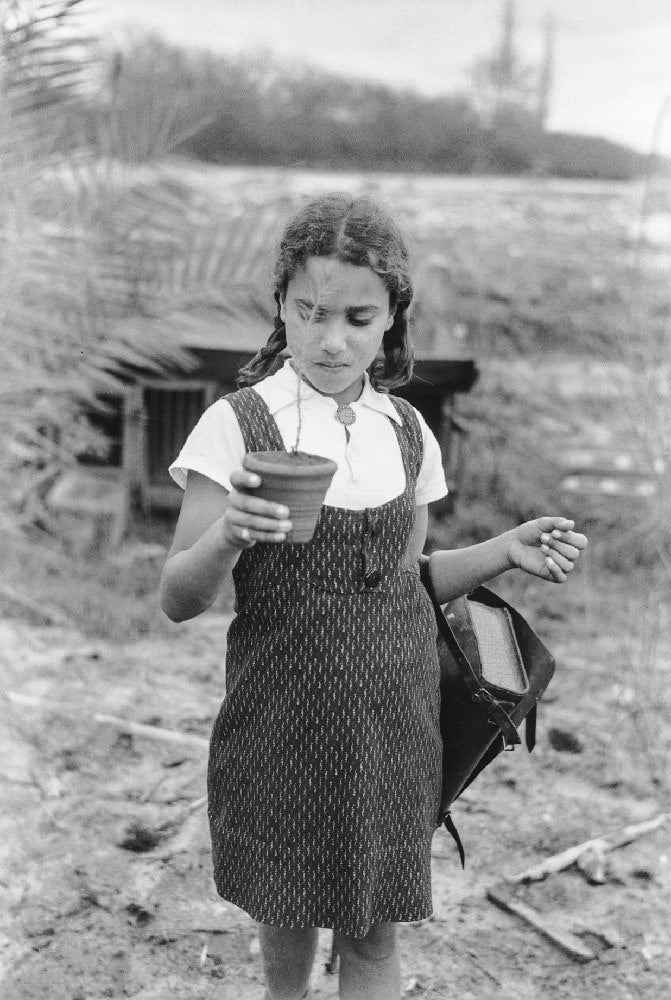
pixel 334 337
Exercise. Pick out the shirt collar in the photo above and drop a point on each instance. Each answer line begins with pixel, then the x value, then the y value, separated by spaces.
pixel 282 390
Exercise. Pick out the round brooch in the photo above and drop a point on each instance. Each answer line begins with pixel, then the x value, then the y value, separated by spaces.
pixel 346 415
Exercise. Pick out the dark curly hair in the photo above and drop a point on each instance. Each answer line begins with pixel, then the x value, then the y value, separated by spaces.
pixel 357 231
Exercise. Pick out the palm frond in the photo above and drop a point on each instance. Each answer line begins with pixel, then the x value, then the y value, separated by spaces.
pixel 104 261
pixel 45 53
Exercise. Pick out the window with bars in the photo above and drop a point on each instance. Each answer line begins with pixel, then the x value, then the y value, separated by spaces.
pixel 170 411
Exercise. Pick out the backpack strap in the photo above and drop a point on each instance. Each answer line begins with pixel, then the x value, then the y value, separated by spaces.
pixel 530 729
pixel 448 823
pixel 458 620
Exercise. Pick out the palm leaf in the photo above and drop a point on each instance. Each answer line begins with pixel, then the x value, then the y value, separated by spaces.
pixel 45 54
pixel 102 261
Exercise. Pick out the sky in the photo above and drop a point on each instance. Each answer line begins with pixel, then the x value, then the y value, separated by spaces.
pixel 612 57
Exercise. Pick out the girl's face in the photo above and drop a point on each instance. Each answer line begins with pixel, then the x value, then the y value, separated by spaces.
pixel 335 316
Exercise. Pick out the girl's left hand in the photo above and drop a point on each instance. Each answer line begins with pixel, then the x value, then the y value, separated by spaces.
pixel 547 547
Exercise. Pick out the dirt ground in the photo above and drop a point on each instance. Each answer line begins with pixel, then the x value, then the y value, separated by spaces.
pixel 104 855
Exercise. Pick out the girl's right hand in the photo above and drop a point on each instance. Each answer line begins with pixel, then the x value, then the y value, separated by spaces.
pixel 248 519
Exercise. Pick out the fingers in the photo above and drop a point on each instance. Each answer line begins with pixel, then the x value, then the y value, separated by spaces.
pixel 575 538
pixel 243 480
pixel 254 520
pixel 560 556
pixel 563 548
pixel 555 571
pixel 558 532
pixel 560 545
pixel 556 562
pixel 548 524
pixel 249 519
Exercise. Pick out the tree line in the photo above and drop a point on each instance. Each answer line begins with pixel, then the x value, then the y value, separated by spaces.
pixel 254 109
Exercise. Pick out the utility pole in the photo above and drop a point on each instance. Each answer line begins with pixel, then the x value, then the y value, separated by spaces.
pixel 546 75
pixel 507 68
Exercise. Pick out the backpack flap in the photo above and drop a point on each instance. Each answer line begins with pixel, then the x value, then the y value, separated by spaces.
pixel 492 666
pixel 501 662
pixel 539 663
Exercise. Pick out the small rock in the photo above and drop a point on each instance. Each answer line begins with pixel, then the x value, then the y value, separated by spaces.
pixel 69 759
pixel 124 742
pixel 563 741
pixel 612 937
pixel 139 838
pixel 175 761
pixel 644 874
pixel 141 915
pixel 412 987
pixel 50 784
pixel 654 947
pixel 593 863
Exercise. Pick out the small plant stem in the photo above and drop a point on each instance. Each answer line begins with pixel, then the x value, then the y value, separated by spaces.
pixel 300 412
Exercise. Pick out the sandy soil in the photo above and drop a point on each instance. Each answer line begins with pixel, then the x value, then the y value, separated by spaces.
pixel 104 855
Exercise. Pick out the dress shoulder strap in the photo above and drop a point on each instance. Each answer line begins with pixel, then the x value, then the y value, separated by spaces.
pixel 257 424
pixel 412 431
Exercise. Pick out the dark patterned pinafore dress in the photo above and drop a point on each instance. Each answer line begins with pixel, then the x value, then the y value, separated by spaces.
pixel 325 759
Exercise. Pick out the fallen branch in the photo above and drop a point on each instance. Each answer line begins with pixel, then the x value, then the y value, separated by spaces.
pixel 123 725
pixel 598 845
pixel 52 615
pixel 549 927
pixel 153 732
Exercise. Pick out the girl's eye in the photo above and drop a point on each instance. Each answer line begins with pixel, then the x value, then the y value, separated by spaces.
pixel 359 322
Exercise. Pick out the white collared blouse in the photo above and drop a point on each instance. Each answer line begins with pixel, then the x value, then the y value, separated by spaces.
pixel 370 467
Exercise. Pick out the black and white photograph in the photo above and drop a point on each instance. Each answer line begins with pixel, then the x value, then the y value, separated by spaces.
pixel 335 518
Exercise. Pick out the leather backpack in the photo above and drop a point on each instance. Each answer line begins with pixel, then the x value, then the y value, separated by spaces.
pixel 493 671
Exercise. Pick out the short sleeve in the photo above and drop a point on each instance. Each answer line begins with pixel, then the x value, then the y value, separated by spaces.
pixel 215 447
pixel 431 483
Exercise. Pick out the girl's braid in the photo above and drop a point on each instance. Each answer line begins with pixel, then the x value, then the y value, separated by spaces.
pixel 265 360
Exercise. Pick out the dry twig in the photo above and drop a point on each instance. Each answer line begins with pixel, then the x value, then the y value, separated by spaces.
pixel 123 725
pixel 52 615
pixel 598 845
pixel 550 927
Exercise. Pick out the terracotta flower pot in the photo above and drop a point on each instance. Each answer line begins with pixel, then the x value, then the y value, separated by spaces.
pixel 295 479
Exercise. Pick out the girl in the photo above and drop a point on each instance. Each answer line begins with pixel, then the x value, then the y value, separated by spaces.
pixel 325 760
